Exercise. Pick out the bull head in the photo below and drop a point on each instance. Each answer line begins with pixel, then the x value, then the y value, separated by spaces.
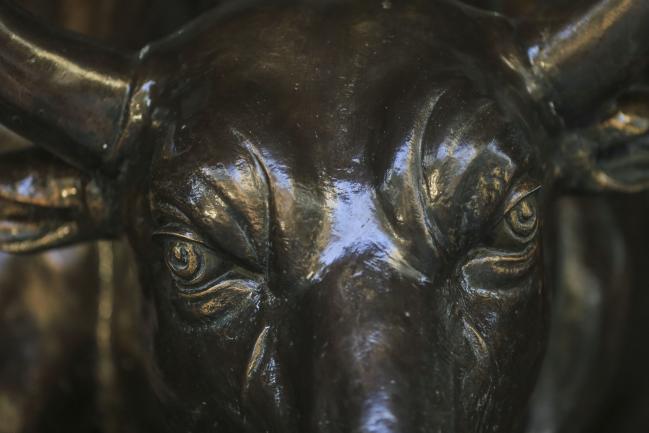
pixel 337 207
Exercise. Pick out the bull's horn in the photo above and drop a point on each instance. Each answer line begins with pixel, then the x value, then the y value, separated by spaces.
pixel 57 83
pixel 587 55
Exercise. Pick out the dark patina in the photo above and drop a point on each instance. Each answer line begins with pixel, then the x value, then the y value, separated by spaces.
pixel 336 207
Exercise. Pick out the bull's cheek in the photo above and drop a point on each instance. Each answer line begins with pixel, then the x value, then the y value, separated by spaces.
pixel 267 394
pixel 203 344
pixel 501 321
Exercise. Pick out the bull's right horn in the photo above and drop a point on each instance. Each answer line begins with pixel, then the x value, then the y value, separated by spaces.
pixel 60 88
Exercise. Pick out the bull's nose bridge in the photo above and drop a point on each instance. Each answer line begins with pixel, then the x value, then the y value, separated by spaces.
pixel 355 223
pixel 368 352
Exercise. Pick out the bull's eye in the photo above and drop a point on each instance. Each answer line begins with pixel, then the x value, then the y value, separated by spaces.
pixel 193 265
pixel 522 218
pixel 184 260
pixel 519 225
pixel 203 279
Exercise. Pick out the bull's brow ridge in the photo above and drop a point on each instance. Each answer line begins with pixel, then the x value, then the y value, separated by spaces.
pixel 251 149
pixel 162 207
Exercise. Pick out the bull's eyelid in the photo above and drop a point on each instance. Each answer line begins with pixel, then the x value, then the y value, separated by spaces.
pixel 165 214
pixel 183 234
pixel 517 198
pixel 176 224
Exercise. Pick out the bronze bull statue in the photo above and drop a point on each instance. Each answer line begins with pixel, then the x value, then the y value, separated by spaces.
pixel 336 206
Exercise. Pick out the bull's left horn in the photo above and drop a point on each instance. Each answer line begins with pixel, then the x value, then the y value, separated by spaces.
pixel 54 83
pixel 587 54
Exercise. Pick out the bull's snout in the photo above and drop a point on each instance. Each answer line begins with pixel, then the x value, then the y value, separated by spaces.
pixel 368 350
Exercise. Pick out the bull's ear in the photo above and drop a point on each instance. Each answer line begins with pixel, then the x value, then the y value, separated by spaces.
pixel 612 155
pixel 45 203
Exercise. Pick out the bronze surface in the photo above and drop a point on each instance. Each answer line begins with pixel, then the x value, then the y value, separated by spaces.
pixel 337 208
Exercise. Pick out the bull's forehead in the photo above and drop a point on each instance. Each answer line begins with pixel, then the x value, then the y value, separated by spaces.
pixel 327 59
pixel 324 133
pixel 326 75
pixel 444 157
